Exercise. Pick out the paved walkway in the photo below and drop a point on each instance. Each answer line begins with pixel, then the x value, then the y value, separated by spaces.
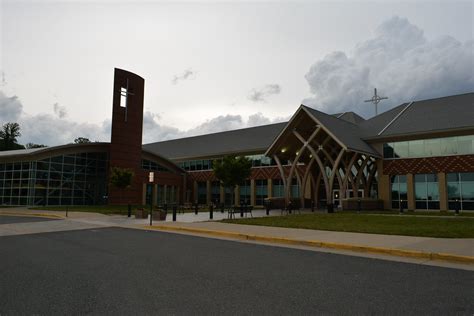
pixel 449 249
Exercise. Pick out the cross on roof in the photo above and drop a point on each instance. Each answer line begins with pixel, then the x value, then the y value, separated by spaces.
pixel 375 100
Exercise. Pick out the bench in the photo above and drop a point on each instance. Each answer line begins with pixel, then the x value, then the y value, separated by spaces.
pixel 241 209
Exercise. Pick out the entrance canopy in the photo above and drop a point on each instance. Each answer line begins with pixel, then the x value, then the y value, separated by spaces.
pixel 324 149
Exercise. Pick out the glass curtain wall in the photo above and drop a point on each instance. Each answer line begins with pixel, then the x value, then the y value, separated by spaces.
pixel 295 188
pixel 261 191
pixel 426 191
pixel 160 199
pixel 216 192
pixel 461 188
pixel 75 179
pixel 446 146
pixel 399 191
pixel 202 192
pixel 278 188
pixel 245 192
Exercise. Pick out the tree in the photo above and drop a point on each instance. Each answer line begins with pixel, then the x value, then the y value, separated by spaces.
pixel 121 178
pixel 82 140
pixel 33 145
pixel 8 136
pixel 232 171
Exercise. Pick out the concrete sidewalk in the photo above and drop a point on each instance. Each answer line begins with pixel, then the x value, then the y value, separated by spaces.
pixel 448 249
pixel 454 250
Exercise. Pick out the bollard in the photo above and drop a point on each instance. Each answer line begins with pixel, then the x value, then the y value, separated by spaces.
pixel 267 206
pixel 196 206
pixel 151 215
pixel 67 209
pixel 222 207
pixel 358 206
pixel 129 210
pixel 312 206
pixel 457 207
pixel 174 213
pixel 401 206
pixel 241 210
pixel 289 207
pixel 211 211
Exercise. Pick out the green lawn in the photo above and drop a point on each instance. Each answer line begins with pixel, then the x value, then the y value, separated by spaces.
pixel 448 227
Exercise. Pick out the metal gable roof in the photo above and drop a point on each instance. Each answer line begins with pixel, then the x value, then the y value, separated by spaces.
pixel 347 133
pixel 253 139
pixel 422 117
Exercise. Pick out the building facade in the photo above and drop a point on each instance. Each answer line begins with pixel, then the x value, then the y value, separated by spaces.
pixel 418 155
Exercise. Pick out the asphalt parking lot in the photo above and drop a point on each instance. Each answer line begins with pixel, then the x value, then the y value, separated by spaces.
pixel 125 271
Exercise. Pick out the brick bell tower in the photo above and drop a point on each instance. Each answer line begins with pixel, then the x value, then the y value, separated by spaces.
pixel 127 128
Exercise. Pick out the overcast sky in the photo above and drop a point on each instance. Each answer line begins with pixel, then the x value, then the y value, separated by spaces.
pixel 212 66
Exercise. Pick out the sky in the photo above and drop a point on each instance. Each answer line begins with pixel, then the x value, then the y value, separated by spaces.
pixel 214 66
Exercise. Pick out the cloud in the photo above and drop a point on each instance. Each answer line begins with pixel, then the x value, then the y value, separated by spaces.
pixel 54 130
pixel 154 131
pixel 187 74
pixel 60 111
pixel 260 95
pixel 46 128
pixel 3 82
pixel 10 108
pixel 399 61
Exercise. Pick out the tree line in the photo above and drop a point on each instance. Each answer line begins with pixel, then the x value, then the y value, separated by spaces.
pixel 10 132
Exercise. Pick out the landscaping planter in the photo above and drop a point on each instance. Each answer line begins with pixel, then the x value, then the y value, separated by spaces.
pixel 141 213
pixel 159 215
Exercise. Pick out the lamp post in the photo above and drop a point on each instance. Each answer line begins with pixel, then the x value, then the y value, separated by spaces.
pixel 151 178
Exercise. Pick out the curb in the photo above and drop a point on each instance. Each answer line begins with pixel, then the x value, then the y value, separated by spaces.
pixel 53 216
pixel 323 244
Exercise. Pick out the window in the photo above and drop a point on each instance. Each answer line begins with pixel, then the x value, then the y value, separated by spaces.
pixel 278 188
pixel 123 97
pixel 216 192
pixel 245 192
pixel 426 191
pixel 461 188
pixel 458 145
pixel 399 191
pixel 295 188
pixel 202 192
pixel 261 192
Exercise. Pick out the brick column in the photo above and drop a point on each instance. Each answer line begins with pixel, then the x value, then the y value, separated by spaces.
pixel 384 190
pixel 144 194
pixel 269 188
pixel 443 192
pixel 155 194
pixel 411 192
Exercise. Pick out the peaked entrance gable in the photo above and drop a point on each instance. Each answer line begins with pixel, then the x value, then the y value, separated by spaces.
pixel 332 154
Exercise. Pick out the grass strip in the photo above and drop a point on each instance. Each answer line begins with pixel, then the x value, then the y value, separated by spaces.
pixel 446 227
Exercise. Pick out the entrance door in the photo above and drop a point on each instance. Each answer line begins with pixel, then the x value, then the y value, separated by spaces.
pixel 336 197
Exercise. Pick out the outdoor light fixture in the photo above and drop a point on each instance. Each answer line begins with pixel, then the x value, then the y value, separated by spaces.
pixel 283 150
pixel 297 153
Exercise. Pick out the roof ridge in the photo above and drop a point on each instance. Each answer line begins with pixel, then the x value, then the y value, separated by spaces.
pixel 332 116
pixel 395 118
